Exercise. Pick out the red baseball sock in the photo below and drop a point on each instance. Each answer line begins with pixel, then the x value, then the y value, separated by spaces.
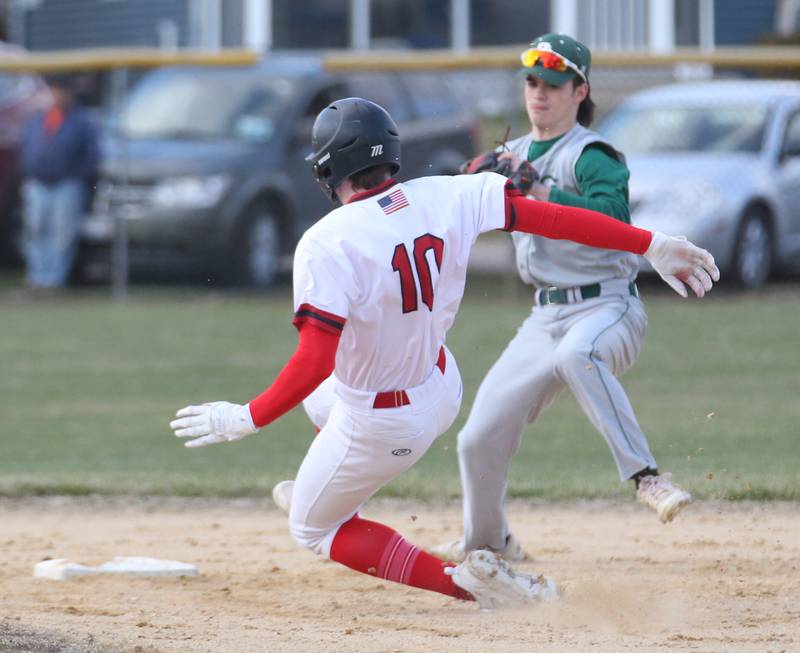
pixel 377 550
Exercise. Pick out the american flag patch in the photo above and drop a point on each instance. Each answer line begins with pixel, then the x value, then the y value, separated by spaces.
pixel 393 201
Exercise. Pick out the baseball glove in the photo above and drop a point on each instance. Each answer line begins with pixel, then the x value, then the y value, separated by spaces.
pixel 523 177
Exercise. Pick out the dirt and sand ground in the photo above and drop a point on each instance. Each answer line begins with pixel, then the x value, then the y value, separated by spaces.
pixel 723 578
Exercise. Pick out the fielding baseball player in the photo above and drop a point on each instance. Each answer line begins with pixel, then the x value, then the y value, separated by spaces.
pixel 587 323
pixel 377 283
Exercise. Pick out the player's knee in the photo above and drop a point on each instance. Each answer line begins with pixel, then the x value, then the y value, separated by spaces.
pixel 571 361
pixel 471 441
pixel 307 536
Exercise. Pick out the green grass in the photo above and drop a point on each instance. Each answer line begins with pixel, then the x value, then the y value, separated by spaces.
pixel 87 387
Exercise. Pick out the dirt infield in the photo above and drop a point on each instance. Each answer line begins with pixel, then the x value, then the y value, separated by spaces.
pixel 723 577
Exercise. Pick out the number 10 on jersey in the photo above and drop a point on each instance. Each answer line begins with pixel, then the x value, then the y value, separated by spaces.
pixel 401 263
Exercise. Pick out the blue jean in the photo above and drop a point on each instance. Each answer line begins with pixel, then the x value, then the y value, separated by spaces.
pixel 52 218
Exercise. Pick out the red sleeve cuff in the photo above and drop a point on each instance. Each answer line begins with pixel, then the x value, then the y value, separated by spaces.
pixel 511 217
pixel 308 314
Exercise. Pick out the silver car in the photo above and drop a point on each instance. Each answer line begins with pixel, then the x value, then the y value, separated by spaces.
pixel 718 162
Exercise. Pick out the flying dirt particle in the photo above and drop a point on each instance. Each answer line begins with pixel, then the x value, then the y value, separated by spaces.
pixel 371 570
pixel 710 476
pixel 413 518
pixel 710 415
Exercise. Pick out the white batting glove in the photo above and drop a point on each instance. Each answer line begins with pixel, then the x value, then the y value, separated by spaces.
pixel 679 262
pixel 218 421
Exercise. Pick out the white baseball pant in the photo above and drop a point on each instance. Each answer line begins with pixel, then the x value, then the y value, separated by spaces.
pixel 361 448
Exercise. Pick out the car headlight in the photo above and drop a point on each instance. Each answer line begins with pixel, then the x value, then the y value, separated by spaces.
pixel 190 192
pixel 681 204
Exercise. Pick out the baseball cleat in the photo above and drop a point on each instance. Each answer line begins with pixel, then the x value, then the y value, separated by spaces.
pixel 454 551
pixel 660 494
pixel 282 495
pixel 494 584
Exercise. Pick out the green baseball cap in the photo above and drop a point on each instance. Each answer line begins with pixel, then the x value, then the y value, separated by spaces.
pixel 572 55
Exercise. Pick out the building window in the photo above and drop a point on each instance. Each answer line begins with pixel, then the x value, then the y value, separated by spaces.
pixel 311 24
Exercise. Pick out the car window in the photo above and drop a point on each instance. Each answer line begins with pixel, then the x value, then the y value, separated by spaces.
pixel 430 97
pixel 729 128
pixel 791 139
pixel 216 104
pixel 322 99
pixel 308 114
pixel 383 88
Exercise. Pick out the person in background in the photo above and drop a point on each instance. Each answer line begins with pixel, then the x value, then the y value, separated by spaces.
pixel 59 153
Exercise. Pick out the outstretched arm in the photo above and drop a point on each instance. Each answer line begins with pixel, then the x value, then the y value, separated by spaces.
pixel 676 260
pixel 220 421
pixel 582 226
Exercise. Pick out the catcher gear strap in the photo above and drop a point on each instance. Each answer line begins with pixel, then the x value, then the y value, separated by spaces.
pixel 312 362
pixel 571 223
pixel 523 177
pixel 350 136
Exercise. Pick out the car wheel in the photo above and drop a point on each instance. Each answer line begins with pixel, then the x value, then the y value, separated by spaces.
pixel 256 249
pixel 11 253
pixel 752 259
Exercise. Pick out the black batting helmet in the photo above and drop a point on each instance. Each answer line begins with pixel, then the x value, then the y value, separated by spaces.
pixel 349 136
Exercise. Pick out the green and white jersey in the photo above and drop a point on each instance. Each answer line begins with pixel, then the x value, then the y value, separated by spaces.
pixel 543 262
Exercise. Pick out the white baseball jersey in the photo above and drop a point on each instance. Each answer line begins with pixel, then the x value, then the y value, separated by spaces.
pixel 388 271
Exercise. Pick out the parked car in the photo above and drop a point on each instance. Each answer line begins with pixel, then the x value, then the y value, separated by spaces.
pixel 718 162
pixel 20 95
pixel 207 165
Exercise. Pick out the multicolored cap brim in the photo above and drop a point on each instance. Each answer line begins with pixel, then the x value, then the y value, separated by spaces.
pixel 552 77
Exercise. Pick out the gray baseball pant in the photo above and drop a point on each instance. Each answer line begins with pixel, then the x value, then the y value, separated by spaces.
pixel 583 346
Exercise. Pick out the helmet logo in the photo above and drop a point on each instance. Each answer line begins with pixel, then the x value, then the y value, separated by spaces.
pixel 324 158
pixel 377 150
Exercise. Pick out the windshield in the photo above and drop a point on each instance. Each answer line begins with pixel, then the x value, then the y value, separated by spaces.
pixel 206 105
pixel 647 130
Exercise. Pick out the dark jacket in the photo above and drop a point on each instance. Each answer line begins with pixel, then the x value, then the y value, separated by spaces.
pixel 71 152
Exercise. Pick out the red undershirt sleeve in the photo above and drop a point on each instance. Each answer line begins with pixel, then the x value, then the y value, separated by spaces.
pixel 571 223
pixel 312 362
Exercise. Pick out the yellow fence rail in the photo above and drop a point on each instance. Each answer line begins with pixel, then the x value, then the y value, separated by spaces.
pixel 754 58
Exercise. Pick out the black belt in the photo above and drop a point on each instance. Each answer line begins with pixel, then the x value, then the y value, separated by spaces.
pixel 555 295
